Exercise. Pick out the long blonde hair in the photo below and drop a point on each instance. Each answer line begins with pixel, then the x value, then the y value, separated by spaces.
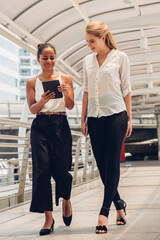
pixel 99 29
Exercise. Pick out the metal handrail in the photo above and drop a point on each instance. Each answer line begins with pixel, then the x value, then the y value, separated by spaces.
pixel 13 110
pixel 16 172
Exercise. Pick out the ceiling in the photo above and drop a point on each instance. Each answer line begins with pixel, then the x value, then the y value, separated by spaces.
pixel 135 25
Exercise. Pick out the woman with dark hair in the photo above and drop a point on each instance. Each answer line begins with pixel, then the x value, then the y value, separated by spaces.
pixel 106 113
pixel 51 140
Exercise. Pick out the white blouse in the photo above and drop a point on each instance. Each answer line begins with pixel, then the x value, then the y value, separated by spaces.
pixel 53 105
pixel 106 85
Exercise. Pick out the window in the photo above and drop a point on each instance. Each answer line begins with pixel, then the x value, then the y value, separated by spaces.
pixel 25 62
pixel 23 82
pixel 36 71
pixel 25 72
pixel 24 52
pixel 22 97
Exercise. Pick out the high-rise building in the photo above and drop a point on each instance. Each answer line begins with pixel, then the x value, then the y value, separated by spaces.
pixel 28 68
pixel 9 70
pixel 16 66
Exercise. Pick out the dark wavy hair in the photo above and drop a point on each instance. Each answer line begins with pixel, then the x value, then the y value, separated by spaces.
pixel 41 46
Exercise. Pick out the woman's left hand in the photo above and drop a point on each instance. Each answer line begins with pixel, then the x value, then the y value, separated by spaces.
pixel 129 129
pixel 64 88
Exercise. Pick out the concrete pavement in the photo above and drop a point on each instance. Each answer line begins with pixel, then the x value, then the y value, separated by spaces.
pixel 139 187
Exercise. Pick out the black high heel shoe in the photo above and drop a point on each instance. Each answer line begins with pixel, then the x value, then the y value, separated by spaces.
pixel 67 220
pixel 47 231
pixel 101 228
pixel 121 204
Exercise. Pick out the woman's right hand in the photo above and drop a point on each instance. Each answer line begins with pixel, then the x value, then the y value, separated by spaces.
pixel 47 96
pixel 84 128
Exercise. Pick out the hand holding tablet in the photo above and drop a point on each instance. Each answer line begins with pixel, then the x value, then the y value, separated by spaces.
pixel 52 86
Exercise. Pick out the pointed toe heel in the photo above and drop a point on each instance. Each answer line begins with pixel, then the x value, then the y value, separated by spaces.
pixel 67 220
pixel 47 231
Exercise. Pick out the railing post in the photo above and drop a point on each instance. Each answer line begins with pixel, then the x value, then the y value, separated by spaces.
pixel 22 131
pixel 23 172
pixel 76 161
pixel 87 143
pixel 9 110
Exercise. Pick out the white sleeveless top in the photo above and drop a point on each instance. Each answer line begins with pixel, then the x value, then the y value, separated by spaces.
pixel 53 105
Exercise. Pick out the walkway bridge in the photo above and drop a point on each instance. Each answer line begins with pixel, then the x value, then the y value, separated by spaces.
pixel 139 186
pixel 135 25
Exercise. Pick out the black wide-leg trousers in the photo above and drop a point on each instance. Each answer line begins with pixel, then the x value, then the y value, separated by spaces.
pixel 106 135
pixel 51 144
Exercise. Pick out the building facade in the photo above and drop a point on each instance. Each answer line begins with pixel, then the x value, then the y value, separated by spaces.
pixel 9 70
pixel 16 66
pixel 28 67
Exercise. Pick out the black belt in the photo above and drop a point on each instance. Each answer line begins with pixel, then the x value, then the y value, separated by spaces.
pixel 52 113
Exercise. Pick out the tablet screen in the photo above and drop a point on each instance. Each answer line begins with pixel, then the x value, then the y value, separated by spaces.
pixel 53 87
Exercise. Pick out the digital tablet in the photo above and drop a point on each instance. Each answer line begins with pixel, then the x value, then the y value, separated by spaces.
pixel 53 87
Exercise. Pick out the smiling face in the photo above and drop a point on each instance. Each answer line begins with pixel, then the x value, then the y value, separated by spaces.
pixel 96 44
pixel 47 58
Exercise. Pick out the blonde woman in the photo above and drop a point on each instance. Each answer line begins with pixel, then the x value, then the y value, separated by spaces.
pixel 106 113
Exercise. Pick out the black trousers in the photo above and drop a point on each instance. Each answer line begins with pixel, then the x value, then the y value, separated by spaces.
pixel 51 144
pixel 106 135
